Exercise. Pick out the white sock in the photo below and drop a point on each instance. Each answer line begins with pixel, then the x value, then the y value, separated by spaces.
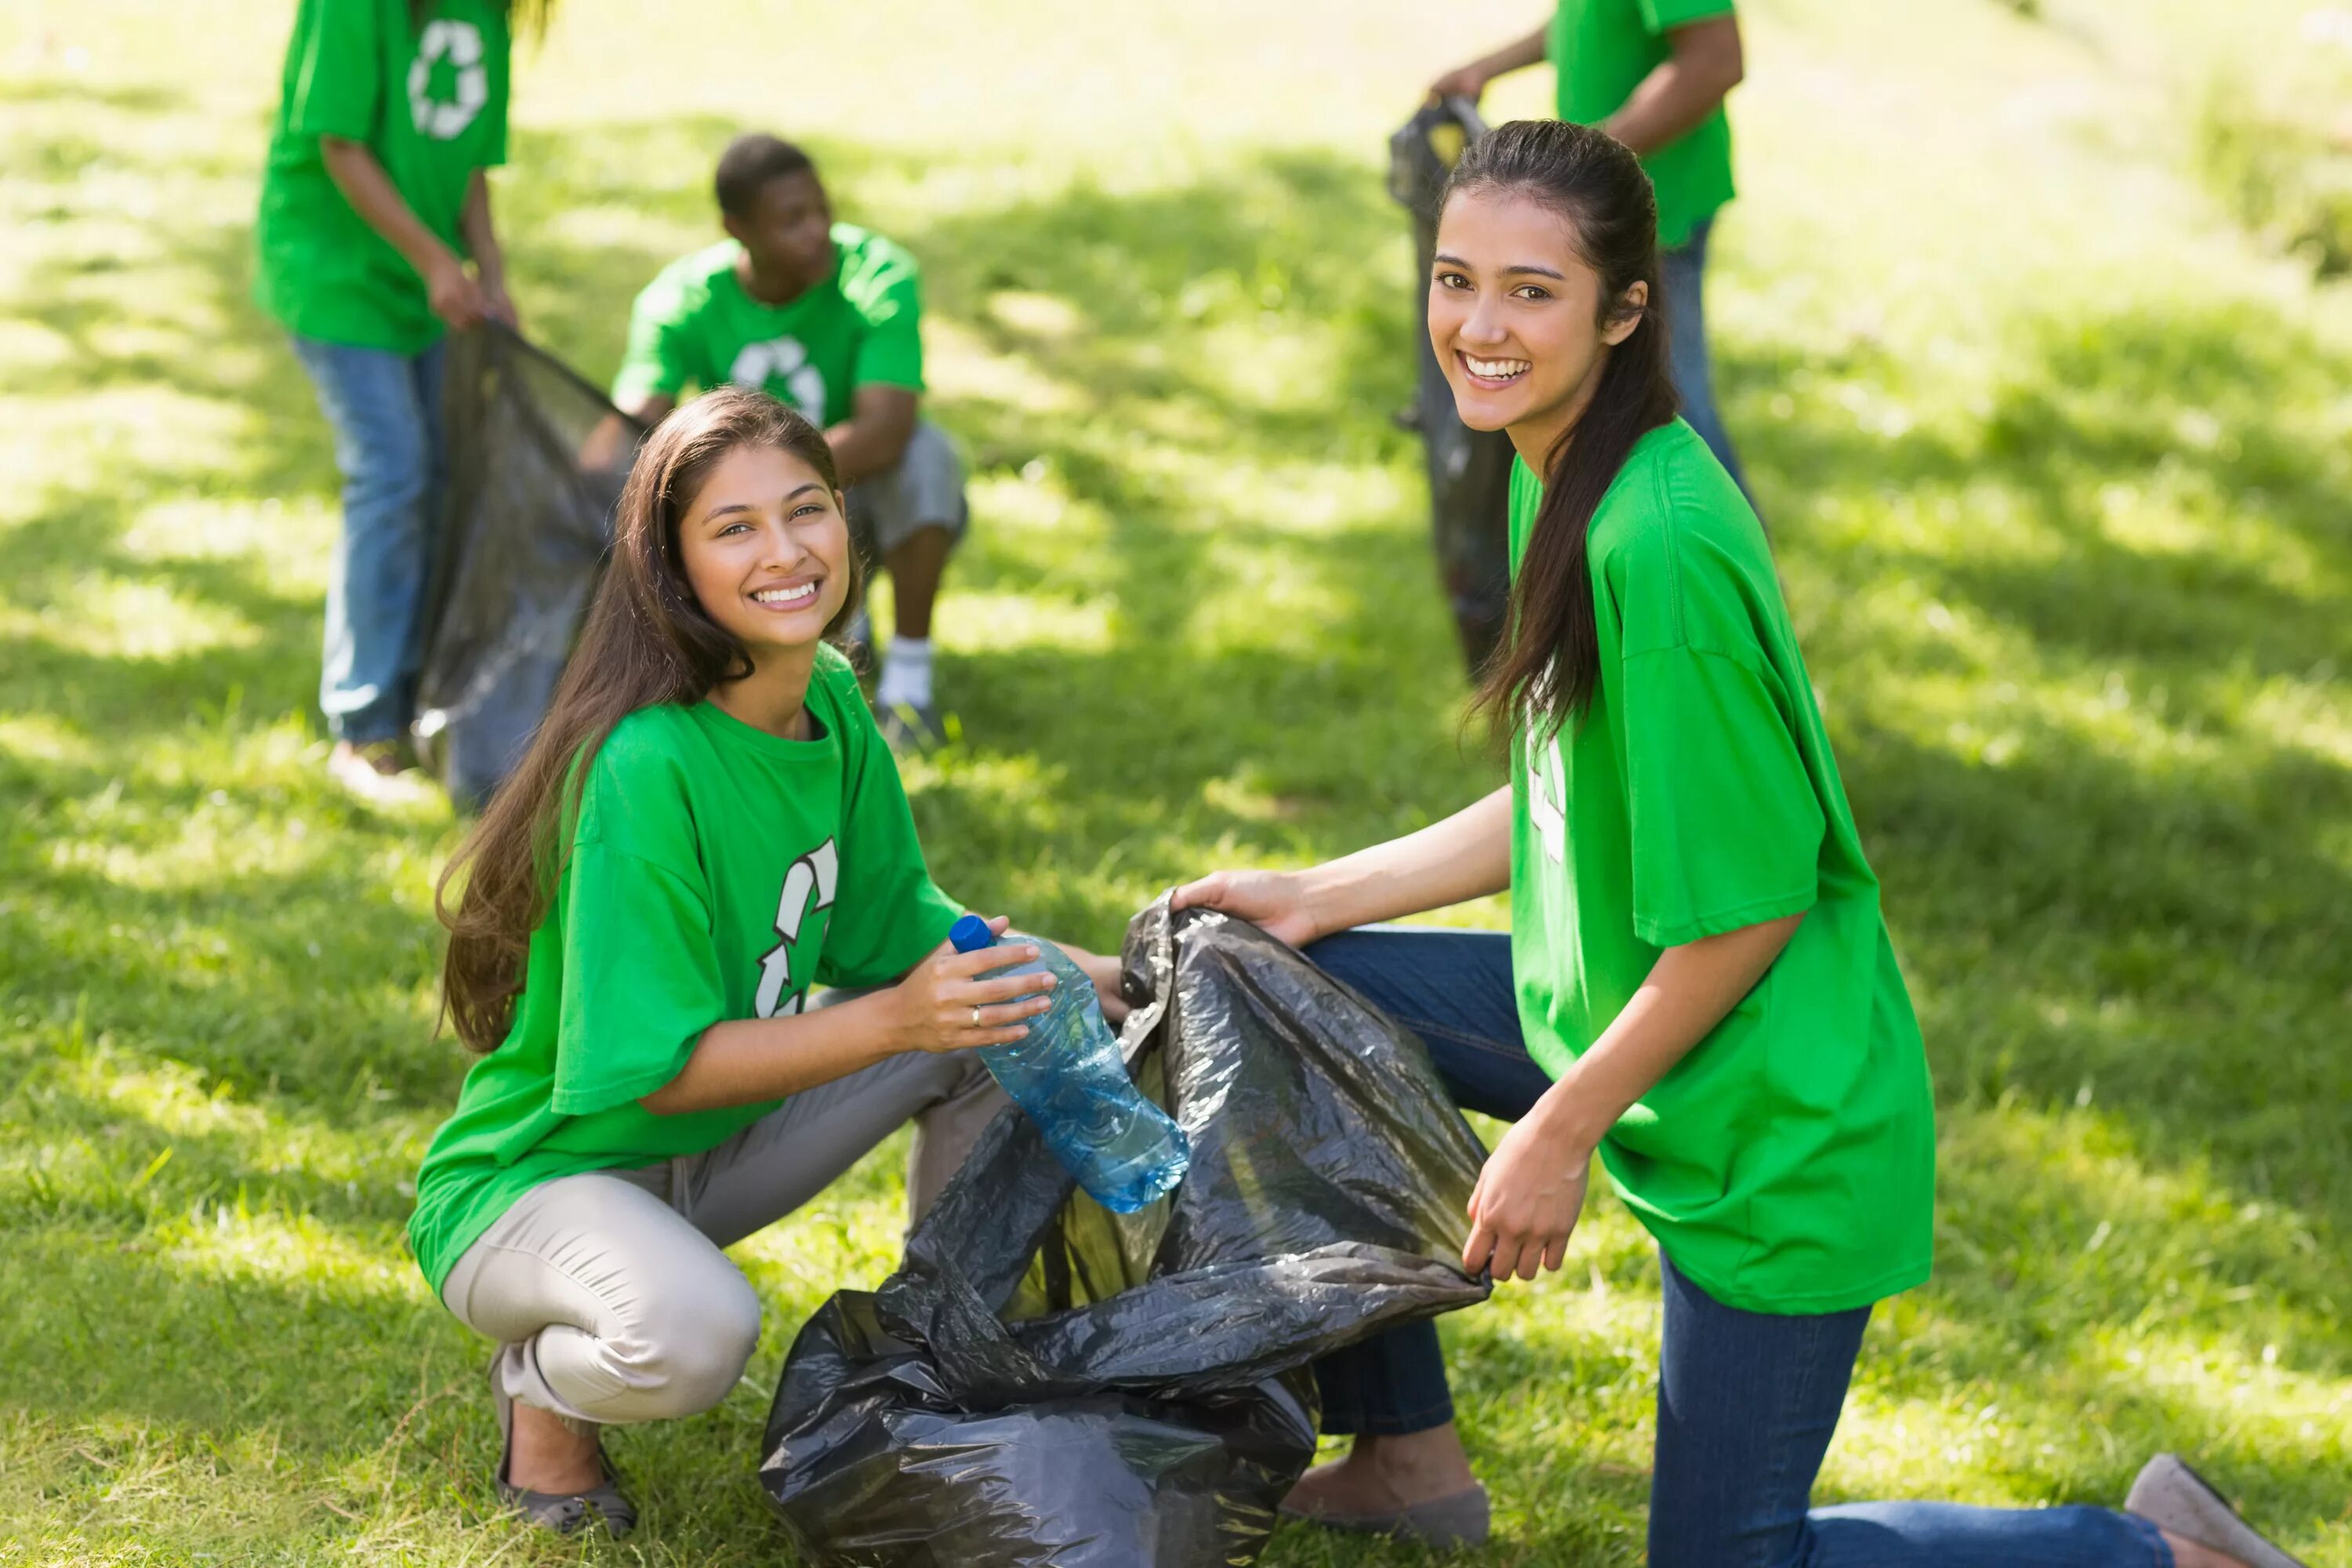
pixel 906 674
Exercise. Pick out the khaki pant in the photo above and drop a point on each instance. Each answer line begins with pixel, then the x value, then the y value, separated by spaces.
pixel 607 1292
pixel 924 488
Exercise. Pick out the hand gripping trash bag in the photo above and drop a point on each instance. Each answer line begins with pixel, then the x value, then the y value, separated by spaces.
pixel 536 459
pixel 1044 1383
pixel 1469 470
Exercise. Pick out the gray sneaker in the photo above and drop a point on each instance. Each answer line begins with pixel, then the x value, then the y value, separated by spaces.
pixel 2174 1498
pixel 565 1513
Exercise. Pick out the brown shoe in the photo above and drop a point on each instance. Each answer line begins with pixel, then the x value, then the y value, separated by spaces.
pixel 2174 1498
pixel 1459 1519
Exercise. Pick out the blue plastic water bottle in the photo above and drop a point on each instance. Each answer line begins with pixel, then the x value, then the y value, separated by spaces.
pixel 1069 1076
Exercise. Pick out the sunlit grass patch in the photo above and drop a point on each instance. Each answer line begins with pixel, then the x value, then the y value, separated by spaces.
pixel 119 617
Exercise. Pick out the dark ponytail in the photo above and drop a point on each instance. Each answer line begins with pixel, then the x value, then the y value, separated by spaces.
pixel 1546 664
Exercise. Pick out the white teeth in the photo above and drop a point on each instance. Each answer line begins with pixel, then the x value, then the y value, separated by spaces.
pixel 785 596
pixel 1495 369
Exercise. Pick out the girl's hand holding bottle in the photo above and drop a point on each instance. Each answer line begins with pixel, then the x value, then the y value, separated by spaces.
pixel 943 1006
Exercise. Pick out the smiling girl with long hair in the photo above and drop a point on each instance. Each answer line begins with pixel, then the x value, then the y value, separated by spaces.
pixel 706 825
pixel 1698 986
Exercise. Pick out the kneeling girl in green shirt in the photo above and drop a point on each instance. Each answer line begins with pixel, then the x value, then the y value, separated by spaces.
pixel 1698 987
pixel 706 825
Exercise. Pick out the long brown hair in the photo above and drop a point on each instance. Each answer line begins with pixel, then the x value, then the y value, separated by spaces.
pixel 647 641
pixel 1545 666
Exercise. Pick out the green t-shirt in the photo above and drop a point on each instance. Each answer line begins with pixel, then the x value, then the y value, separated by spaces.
pixel 714 873
pixel 1788 1163
pixel 1601 50
pixel 431 103
pixel 694 326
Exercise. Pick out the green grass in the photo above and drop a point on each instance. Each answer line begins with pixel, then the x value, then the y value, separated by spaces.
pixel 2056 460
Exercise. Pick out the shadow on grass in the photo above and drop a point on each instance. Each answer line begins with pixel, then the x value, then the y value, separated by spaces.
pixel 2172 935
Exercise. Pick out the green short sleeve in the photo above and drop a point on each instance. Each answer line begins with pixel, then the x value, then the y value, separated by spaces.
pixel 331 82
pixel 656 362
pixel 1661 16
pixel 640 979
pixel 891 912
pixel 494 151
pixel 890 353
pixel 1724 824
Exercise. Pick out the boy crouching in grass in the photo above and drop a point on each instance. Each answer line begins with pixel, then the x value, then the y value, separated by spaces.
pixel 825 317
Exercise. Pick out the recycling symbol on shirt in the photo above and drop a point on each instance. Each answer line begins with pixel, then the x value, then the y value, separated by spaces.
pixel 784 360
pixel 460 43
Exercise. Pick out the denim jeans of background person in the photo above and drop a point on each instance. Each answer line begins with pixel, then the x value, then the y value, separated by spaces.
pixel 386 411
pixel 1746 1401
pixel 373 237
pixel 1682 273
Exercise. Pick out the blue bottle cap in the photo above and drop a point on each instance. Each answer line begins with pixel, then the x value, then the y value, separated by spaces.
pixel 970 934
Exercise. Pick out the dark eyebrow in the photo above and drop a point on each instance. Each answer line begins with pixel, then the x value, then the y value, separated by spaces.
pixel 1525 267
pixel 732 506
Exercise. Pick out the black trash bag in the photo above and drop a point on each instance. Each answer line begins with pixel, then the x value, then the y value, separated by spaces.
pixel 1043 1382
pixel 1469 470
pixel 536 459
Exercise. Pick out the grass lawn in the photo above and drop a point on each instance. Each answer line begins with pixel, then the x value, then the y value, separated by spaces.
pixel 2057 462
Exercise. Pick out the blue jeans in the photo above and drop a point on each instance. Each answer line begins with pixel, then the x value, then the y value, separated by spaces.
pixel 1682 273
pixel 1746 1401
pixel 385 410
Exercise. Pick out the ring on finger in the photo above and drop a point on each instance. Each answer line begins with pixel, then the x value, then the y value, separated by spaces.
pixel 975 1015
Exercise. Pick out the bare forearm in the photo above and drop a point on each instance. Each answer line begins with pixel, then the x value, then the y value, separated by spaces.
pixel 1686 86
pixel 1517 55
pixel 748 1061
pixel 864 445
pixel 373 197
pixel 1690 990
pixel 1466 856
pixel 1470 81
pixel 481 235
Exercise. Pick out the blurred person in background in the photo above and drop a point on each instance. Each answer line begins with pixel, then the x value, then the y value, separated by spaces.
pixel 826 317
pixel 1653 74
pixel 373 202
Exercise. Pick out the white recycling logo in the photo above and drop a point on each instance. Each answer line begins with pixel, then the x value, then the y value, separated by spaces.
pixel 809 884
pixel 461 44
pixel 784 360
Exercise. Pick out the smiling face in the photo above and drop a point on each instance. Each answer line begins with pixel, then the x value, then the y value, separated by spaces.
pixel 1515 314
pixel 766 550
